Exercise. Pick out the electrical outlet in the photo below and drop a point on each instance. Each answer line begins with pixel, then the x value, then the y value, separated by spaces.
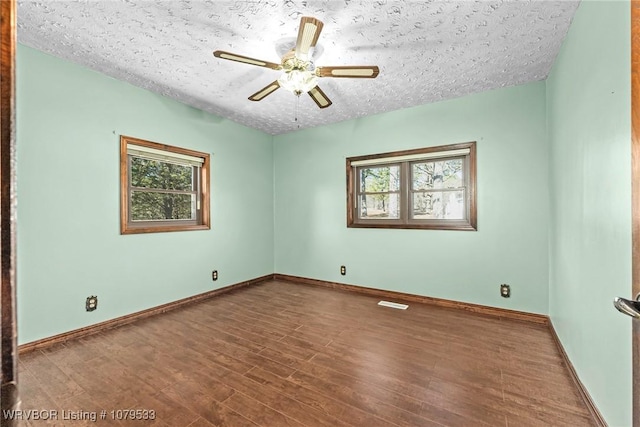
pixel 92 303
pixel 214 275
pixel 505 291
pixel 343 270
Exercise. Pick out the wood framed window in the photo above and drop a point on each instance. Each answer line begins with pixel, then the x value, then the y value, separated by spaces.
pixel 162 188
pixel 426 188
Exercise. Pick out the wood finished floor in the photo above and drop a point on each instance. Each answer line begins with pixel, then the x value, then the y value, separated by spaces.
pixel 282 354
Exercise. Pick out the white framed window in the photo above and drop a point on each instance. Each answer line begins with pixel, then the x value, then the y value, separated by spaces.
pixel 427 188
pixel 163 188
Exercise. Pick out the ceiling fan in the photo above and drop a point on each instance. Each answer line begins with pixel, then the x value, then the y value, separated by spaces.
pixel 300 74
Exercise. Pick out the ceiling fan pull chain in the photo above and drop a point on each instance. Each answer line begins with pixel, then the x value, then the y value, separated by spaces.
pixel 297 106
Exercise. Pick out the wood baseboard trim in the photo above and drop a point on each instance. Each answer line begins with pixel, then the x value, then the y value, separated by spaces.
pixel 586 397
pixel 129 318
pixel 393 295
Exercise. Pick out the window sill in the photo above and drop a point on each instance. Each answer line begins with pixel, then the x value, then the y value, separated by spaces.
pixel 162 229
pixel 456 227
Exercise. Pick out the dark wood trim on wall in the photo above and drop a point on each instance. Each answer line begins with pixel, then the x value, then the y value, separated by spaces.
pixel 593 409
pixel 635 198
pixel 8 334
pixel 401 296
pixel 129 318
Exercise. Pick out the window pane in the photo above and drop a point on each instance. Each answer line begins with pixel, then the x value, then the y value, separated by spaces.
pixel 380 206
pixel 148 173
pixel 379 179
pixel 438 174
pixel 439 205
pixel 152 206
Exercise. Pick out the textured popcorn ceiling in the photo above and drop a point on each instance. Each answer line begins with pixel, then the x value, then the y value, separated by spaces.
pixel 427 51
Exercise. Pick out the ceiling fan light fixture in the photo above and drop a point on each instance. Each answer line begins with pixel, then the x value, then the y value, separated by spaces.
pixel 299 73
pixel 298 81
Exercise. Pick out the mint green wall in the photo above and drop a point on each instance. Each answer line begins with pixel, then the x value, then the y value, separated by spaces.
pixel 510 246
pixel 68 124
pixel 588 108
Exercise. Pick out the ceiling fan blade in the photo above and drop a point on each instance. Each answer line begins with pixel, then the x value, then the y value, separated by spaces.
pixel 319 97
pixel 308 34
pixel 267 90
pixel 246 60
pixel 355 71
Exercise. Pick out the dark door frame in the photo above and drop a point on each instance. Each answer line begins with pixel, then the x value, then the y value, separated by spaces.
pixel 8 341
pixel 635 198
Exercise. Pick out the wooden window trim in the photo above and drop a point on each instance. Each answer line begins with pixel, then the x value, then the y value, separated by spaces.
pixel 201 223
pixel 405 222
